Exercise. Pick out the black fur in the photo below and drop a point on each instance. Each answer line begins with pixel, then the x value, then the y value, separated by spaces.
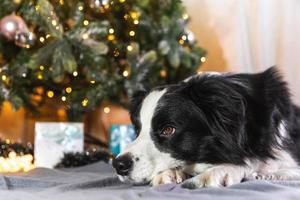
pixel 225 119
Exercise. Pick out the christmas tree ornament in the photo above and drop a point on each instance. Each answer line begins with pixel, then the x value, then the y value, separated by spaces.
pixel 25 39
pixel 11 24
pixel 99 5
pixel 190 37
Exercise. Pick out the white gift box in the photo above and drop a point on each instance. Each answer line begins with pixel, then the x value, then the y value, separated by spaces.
pixel 53 139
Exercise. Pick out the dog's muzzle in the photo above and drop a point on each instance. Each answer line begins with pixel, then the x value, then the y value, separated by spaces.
pixel 123 164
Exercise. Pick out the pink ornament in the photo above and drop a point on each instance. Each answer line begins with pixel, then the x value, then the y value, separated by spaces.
pixel 11 24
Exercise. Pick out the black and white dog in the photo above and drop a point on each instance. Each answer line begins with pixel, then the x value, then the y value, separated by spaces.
pixel 218 128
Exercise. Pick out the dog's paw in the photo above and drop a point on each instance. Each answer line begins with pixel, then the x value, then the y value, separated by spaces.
pixel 218 176
pixel 169 176
pixel 280 175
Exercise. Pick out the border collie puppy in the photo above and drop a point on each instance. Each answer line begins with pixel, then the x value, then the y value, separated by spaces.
pixel 217 128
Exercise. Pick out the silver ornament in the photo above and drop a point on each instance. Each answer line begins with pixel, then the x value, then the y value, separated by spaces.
pixel 25 39
pixel 11 24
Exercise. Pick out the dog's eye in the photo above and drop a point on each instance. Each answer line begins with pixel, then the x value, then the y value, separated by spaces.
pixel 168 130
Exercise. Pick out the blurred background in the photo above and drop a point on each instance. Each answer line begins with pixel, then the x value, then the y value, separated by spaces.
pixel 169 39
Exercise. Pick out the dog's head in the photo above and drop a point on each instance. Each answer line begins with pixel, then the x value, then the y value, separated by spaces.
pixel 193 121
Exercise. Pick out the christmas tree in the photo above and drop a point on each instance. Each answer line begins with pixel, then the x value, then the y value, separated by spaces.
pixel 87 52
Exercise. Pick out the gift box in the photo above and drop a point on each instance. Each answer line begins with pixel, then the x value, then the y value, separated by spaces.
pixel 120 137
pixel 53 139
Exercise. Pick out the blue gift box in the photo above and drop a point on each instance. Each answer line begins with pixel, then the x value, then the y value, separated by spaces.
pixel 120 137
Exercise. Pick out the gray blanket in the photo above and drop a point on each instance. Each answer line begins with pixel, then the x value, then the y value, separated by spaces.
pixel 98 182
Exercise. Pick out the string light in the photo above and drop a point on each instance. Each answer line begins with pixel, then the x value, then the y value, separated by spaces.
pixel 134 15
pixel 50 94
pixel 106 110
pixel 85 102
pixel 92 81
pixel 126 16
pixel 111 30
pixel 68 90
pixel 37 7
pixel 125 73
pixel 42 67
pixel 203 59
pixel 15 163
pixel 185 16
pixel 4 77
pixel 54 22
pixel 129 48
pixel 122 1
pixel 163 73
pixel 86 22
pixel 131 33
pixel 63 98
pixel 39 76
pixel 136 21
pixel 75 73
pixel 111 37
pixel 80 8
pixel 47 36
pixel 24 75
pixel 184 37
pixel 116 53
pixel 61 2
pixel 181 41
pixel 42 39
pixel 85 36
pixel 17 1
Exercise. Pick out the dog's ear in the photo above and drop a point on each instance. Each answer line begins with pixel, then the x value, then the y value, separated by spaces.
pixel 220 100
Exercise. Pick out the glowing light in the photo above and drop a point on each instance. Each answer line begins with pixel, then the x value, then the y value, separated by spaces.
pixel 63 98
pixel 17 1
pixel 181 41
pixel 75 73
pixel 85 36
pixel 37 7
pixel 131 33
pixel 61 2
pixel 50 94
pixel 47 36
pixel 185 16
pixel 42 67
pixel 86 22
pixel 163 73
pixel 126 16
pixel 203 59
pixel 7 141
pixel 85 102
pixel 15 163
pixel 184 37
pixel 200 72
pixel 92 81
pixel 125 73
pixel 116 53
pixel 4 77
pixel 42 39
pixel 111 37
pixel 80 8
pixel 111 30
pixel 54 22
pixel 40 76
pixel 106 110
pixel 122 1
pixel 136 21
pixel 129 48
pixel 68 90
pixel 134 15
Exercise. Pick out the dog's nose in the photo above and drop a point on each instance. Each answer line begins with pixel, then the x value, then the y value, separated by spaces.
pixel 123 164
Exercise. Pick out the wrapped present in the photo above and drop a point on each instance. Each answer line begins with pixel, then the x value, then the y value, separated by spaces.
pixel 53 139
pixel 120 137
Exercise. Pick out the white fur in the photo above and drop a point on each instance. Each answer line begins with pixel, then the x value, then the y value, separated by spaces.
pixel 151 161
